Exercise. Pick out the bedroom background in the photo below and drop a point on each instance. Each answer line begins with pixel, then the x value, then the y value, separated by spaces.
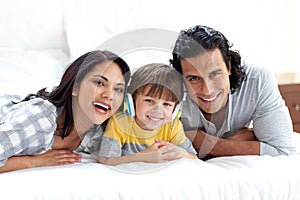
pixel 38 38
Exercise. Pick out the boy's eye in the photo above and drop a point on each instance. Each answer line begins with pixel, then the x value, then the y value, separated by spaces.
pixel 149 100
pixel 167 104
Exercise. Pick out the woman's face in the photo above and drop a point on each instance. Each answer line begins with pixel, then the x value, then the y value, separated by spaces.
pixel 208 80
pixel 99 94
pixel 152 112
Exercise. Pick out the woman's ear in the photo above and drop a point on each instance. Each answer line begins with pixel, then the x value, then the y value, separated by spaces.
pixel 75 90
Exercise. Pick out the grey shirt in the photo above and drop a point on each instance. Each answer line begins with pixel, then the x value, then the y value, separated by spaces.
pixel 258 102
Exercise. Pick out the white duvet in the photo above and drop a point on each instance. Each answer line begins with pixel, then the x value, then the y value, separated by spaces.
pixel 237 177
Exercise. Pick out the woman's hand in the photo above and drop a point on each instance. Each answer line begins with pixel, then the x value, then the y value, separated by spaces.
pixel 55 157
pixel 49 158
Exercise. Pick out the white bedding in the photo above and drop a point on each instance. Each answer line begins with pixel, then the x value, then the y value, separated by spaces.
pixel 238 177
pixel 26 71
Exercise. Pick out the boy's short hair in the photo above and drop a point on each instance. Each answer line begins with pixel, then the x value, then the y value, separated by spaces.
pixel 164 81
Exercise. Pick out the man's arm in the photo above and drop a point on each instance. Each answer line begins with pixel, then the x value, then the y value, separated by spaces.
pixel 243 142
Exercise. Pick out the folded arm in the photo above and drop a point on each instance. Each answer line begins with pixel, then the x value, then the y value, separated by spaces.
pixel 243 142
pixel 160 151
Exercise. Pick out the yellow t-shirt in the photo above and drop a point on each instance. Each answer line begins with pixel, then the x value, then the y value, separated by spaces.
pixel 123 136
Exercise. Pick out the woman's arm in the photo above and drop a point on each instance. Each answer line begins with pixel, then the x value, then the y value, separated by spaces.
pixel 49 158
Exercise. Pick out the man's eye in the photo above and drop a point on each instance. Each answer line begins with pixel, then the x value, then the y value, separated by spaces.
pixel 192 78
pixel 213 74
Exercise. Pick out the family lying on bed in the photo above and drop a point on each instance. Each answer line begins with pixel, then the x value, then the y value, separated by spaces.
pixel 158 122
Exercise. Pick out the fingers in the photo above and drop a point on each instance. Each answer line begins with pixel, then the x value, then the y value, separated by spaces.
pixel 57 157
pixel 63 157
pixel 161 143
pixel 171 152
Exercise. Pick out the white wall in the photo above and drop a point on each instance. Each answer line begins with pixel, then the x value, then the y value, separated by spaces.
pixel 266 32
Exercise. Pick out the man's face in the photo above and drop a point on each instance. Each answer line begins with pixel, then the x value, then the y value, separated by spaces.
pixel 208 80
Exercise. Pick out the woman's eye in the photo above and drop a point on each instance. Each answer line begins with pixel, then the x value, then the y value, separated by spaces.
pixel 120 90
pixel 99 83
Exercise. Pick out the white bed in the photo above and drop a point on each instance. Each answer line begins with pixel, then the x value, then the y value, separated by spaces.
pixel 237 177
pixel 38 38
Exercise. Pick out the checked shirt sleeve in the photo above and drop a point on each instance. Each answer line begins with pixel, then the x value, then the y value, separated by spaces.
pixel 27 128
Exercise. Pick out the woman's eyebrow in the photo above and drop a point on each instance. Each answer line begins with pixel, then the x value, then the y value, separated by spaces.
pixel 106 79
pixel 103 77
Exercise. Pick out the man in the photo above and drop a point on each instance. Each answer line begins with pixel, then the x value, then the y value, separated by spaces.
pixel 226 99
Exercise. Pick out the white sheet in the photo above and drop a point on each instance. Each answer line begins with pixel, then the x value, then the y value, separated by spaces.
pixel 236 177
pixel 245 177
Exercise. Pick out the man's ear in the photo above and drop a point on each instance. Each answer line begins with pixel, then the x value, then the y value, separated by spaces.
pixel 229 68
pixel 75 90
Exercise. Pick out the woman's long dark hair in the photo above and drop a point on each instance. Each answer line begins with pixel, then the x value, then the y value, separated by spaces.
pixel 198 39
pixel 61 96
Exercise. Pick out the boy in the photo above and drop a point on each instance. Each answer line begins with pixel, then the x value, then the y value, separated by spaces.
pixel 153 133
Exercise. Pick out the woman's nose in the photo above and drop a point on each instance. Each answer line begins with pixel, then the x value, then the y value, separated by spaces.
pixel 107 93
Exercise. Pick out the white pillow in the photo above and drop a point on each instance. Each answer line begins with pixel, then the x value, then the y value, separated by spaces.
pixel 24 72
pixel 32 24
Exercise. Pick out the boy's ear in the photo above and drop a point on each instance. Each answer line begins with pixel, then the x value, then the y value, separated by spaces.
pixel 75 90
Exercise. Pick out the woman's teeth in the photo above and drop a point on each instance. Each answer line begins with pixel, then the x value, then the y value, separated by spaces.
pixel 101 106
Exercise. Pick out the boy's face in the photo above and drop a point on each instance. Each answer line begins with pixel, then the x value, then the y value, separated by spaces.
pixel 208 80
pixel 152 112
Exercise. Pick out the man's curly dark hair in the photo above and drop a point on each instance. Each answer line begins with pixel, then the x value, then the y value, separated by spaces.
pixel 199 39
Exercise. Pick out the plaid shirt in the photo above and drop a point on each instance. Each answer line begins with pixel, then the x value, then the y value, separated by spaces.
pixel 27 128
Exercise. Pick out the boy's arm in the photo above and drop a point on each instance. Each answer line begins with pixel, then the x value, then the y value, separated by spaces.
pixel 160 151
pixel 189 155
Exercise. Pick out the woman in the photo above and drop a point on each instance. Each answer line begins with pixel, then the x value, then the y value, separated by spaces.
pixel 45 128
